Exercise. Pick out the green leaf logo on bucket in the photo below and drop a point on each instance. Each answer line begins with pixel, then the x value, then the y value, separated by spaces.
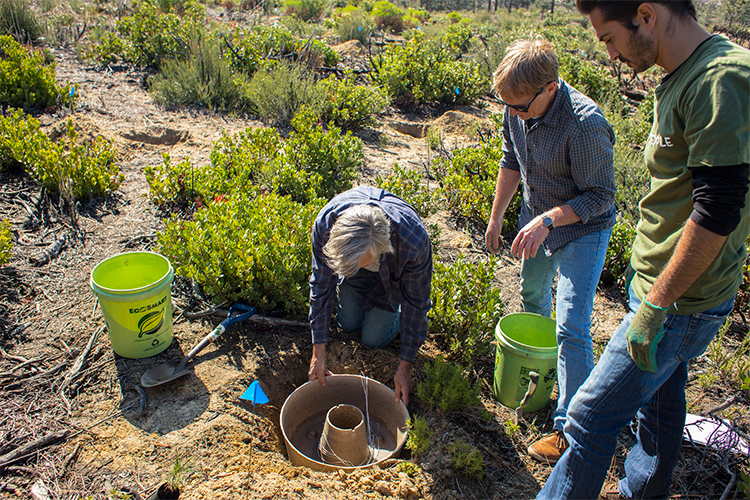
pixel 150 323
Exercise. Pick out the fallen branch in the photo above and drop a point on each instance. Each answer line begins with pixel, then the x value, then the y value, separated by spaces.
pixel 41 443
pixel 47 256
pixel 80 360
pixel 51 371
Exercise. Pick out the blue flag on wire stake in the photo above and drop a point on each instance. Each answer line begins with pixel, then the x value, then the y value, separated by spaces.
pixel 255 394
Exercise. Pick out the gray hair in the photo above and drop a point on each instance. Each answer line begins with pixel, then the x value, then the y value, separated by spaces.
pixel 358 229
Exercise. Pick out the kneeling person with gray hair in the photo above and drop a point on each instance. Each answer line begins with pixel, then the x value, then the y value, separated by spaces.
pixel 372 259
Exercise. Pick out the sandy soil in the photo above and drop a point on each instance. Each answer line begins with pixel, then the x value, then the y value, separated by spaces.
pixel 120 437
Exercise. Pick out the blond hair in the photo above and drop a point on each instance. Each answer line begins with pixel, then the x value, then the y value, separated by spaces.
pixel 358 230
pixel 527 67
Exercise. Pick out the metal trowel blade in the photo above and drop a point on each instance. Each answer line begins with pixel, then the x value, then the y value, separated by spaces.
pixel 161 374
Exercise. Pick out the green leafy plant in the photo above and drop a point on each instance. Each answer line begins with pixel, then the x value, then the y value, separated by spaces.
pixel 19 20
pixel 353 24
pixel 277 94
pixel 511 428
pixel 307 10
pixel 251 246
pixel 466 459
pixel 408 468
pixel 420 435
pixel 347 105
pixel 407 184
pixel 619 250
pixel 465 306
pixel 86 169
pixel 6 242
pixel 387 15
pixel 27 78
pixel 447 387
pixel 204 77
pixel 422 72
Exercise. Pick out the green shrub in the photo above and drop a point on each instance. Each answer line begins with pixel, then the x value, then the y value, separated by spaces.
pixel 466 459
pixel 6 242
pixel 589 78
pixel 256 49
pixel 354 25
pixel 419 72
pixel 348 105
pixel 18 20
pixel 387 15
pixel 307 10
pixel 204 78
pixel 447 387
pixel 150 36
pixel 458 36
pixel 311 163
pixel 620 249
pixel 420 435
pixel 87 169
pixel 407 185
pixel 333 156
pixel 465 306
pixel 279 93
pixel 27 79
pixel 250 246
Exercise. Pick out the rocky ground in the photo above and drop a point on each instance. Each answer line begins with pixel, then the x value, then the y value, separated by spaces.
pixel 97 432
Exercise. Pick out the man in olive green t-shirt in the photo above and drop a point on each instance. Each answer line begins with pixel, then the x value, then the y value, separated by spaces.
pixel 689 248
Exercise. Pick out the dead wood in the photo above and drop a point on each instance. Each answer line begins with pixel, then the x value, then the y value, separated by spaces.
pixel 34 446
pixel 49 254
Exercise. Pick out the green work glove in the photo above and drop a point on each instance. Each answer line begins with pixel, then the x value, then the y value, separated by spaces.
pixel 644 333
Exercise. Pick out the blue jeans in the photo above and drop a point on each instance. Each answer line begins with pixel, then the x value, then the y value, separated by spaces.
pixel 580 265
pixel 378 326
pixel 616 391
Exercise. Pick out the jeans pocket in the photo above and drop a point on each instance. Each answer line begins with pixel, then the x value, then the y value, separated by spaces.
pixel 701 329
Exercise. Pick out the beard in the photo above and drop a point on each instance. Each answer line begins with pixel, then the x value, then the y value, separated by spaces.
pixel 644 53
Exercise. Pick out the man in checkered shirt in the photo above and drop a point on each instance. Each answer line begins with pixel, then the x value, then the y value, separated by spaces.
pixel 557 141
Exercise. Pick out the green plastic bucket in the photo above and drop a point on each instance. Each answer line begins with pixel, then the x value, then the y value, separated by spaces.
pixel 134 292
pixel 526 342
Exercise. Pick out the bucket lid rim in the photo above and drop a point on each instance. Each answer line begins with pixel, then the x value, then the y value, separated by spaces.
pixel 96 287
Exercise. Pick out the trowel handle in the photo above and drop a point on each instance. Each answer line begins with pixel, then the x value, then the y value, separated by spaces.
pixel 533 384
pixel 247 311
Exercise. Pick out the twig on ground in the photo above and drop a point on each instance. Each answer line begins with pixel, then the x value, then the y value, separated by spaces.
pixel 27 449
pixel 80 360
pixel 49 254
pixel 34 378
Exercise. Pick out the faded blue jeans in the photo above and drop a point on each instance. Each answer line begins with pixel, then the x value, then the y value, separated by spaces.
pixel 378 326
pixel 579 264
pixel 616 391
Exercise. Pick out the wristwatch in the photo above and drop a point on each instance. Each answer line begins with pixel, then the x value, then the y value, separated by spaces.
pixel 547 221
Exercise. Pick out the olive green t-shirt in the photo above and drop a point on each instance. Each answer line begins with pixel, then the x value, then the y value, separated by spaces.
pixel 701 118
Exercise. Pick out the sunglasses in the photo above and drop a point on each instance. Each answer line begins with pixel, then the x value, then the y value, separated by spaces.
pixel 520 109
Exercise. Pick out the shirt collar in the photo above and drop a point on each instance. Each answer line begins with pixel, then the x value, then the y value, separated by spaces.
pixel 552 118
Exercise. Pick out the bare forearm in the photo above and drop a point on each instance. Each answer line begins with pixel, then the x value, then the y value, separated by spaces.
pixel 507 184
pixel 562 216
pixel 696 250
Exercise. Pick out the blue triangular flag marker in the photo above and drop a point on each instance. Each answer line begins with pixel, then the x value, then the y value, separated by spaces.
pixel 255 394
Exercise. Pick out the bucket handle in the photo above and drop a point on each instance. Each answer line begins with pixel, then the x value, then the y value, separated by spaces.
pixel 533 384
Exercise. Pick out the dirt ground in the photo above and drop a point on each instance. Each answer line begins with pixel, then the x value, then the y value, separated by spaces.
pixel 108 435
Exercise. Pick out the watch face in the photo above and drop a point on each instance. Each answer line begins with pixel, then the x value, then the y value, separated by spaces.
pixel 547 221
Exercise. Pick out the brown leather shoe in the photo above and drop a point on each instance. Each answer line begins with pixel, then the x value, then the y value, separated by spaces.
pixel 550 448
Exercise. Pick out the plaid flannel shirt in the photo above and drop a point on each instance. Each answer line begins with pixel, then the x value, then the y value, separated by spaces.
pixel 565 157
pixel 405 273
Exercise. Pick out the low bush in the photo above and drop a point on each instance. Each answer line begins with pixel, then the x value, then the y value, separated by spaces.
pixel 87 169
pixel 388 16
pixel 407 185
pixel 27 78
pixel 6 242
pixel 277 94
pixel 420 435
pixel 251 246
pixel 447 387
pixel 619 250
pixel 466 459
pixel 204 78
pixel 420 72
pixel 465 306
pixel 354 25
pixel 19 20
pixel 307 10
pixel 348 105
pixel 312 163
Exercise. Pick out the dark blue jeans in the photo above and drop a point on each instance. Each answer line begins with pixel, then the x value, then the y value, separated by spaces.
pixel 617 390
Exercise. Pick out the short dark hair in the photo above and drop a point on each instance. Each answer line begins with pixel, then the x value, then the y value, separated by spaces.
pixel 624 11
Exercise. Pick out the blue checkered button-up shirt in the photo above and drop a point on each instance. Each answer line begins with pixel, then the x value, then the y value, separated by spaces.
pixel 565 157
pixel 405 273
